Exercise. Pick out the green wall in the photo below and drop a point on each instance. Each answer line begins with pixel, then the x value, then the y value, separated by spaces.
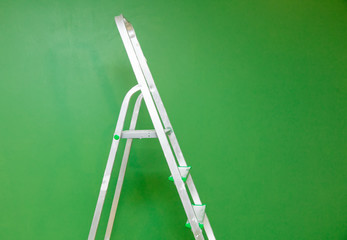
pixel 256 92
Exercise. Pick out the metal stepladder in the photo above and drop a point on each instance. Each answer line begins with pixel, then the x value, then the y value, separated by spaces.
pixel 197 218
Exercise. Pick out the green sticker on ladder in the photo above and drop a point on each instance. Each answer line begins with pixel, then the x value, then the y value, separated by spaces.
pixel 172 180
pixel 188 225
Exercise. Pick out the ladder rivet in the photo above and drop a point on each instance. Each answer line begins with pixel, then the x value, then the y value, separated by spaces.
pixel 116 137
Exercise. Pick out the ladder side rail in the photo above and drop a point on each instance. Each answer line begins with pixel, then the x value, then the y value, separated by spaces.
pixel 164 115
pixel 122 169
pixel 155 93
pixel 165 119
pixel 208 229
pixel 110 161
pixel 159 129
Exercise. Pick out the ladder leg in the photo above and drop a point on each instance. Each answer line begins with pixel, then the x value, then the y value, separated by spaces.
pixel 122 170
pixel 145 89
pixel 166 122
pixel 208 229
pixel 110 161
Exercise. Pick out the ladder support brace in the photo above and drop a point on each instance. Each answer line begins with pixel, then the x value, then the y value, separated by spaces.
pixel 139 134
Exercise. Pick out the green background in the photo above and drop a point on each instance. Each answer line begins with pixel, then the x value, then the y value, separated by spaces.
pixel 256 92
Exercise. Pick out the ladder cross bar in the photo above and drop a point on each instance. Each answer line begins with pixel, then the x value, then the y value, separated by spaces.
pixel 140 133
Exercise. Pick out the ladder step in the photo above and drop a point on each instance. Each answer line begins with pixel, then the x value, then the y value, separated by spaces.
pixel 199 210
pixel 139 134
pixel 184 171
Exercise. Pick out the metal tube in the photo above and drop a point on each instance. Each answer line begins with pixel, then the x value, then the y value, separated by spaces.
pixel 110 161
pixel 122 169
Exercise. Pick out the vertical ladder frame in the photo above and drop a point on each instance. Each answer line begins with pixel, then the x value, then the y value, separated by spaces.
pixel 161 122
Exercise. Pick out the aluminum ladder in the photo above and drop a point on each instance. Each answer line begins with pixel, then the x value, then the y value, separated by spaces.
pixel 197 218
